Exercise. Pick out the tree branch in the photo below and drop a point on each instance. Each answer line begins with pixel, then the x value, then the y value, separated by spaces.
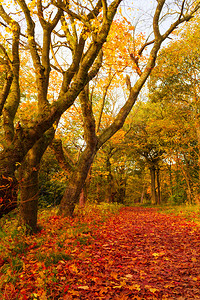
pixel 64 162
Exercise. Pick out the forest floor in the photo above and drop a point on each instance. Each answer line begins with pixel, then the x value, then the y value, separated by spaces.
pixel 135 253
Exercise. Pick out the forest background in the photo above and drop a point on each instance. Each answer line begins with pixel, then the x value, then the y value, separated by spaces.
pixel 71 129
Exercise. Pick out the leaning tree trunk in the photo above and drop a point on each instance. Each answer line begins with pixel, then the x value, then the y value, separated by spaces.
pixel 29 185
pixel 84 192
pixel 76 183
pixel 81 170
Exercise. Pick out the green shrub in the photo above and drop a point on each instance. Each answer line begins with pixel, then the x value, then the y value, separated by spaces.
pixel 178 198
pixel 50 193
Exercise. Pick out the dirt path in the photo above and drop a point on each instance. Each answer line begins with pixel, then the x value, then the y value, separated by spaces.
pixel 141 254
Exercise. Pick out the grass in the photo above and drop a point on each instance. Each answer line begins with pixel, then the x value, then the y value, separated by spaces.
pixel 186 211
pixel 189 212
pixel 23 256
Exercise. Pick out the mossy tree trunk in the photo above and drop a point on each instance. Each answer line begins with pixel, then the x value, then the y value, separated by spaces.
pixel 79 172
pixel 28 182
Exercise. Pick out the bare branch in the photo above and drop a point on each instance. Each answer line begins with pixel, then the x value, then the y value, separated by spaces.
pixel 58 66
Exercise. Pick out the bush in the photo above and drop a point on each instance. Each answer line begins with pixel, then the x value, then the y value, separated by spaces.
pixel 178 198
pixel 50 193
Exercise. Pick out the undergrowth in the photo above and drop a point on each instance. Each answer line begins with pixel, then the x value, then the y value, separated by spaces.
pixel 56 242
pixel 49 263
pixel 190 212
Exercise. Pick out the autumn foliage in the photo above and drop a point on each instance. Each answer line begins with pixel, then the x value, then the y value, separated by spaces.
pixel 137 253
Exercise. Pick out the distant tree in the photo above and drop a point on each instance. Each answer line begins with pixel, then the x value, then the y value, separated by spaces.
pixel 175 85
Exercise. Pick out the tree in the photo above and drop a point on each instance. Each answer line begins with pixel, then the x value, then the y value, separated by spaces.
pixel 84 40
pixel 146 142
pixel 174 84
pixel 95 141
pixel 52 28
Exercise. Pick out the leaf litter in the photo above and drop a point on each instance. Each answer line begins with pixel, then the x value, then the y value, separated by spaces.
pixel 136 254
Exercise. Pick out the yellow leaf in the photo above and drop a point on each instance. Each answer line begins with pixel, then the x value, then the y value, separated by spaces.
pixel 134 287
pixel 195 278
pixel 74 293
pixel 7 29
pixel 73 268
pixel 155 254
pixel 30 38
pixel 153 290
pixel 129 276
pixel 83 287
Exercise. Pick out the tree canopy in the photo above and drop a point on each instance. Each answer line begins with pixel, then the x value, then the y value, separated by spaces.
pixel 57 56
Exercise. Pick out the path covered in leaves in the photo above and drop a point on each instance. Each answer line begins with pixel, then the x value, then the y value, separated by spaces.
pixel 136 254
pixel 142 254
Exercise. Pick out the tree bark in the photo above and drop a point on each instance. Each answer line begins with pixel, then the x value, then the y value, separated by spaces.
pixel 76 183
pixel 28 182
pixel 158 185
pixel 29 193
pixel 82 198
pixel 121 193
pixel 153 185
pixel 109 195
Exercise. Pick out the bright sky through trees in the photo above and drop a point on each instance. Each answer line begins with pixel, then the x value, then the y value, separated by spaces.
pixel 109 49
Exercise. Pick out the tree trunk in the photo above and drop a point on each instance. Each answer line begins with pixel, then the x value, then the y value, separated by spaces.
pixel 142 195
pixel 110 189
pixel 76 183
pixel 170 178
pixel 82 198
pixel 8 181
pixel 121 193
pixel 158 185
pixel 29 186
pixel 197 196
pixel 29 192
pixel 99 189
pixel 153 185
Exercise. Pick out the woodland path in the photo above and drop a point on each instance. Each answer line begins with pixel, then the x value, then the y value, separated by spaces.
pixel 138 254
pixel 142 254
